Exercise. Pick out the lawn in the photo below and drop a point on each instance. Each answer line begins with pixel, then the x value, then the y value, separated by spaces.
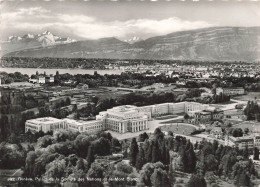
pixel 251 125
pixel 248 97
pixel 180 128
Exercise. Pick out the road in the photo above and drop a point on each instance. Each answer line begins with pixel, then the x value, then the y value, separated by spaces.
pixel 229 106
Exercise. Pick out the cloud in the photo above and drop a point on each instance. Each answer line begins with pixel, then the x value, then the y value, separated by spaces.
pixel 37 18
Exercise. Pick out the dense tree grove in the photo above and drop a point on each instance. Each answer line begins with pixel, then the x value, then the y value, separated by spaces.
pixel 252 111
pixel 66 154
pixel 8 78
pixel 209 160
pixel 12 155
pixel 197 180
pixel 157 159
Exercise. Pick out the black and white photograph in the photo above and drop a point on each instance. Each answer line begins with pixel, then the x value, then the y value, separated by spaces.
pixel 129 93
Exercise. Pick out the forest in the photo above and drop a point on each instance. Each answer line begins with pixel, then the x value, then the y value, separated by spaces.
pixel 155 160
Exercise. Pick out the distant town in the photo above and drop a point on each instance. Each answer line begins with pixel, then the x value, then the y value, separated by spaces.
pixel 177 117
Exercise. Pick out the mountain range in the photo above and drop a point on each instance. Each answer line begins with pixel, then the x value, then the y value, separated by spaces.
pixel 29 41
pixel 212 44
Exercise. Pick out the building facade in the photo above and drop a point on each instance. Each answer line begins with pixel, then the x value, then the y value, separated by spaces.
pixel 125 118
pixel 216 132
pixel 121 119
pixel 240 142
pixel 45 124
pixel 230 91
pixel 92 126
pixel 257 140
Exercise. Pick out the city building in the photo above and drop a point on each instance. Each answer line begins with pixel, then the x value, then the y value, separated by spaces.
pixel 234 114
pixel 49 78
pixel 121 119
pixel 125 118
pixel 42 79
pixel 45 124
pixel 230 91
pixel 240 142
pixel 257 140
pixel 216 132
pixel 205 114
pixel 92 126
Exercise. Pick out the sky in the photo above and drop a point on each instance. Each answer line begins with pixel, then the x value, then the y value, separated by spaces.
pixel 122 19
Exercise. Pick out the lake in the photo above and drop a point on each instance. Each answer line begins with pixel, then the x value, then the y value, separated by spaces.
pixel 30 71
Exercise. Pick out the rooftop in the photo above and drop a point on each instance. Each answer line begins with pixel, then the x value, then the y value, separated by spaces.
pixel 80 122
pixel 45 120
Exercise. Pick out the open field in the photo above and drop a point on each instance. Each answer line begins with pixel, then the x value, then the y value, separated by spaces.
pixel 251 125
pixel 180 128
pixel 249 96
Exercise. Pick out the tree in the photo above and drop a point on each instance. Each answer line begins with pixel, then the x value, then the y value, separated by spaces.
pixel 125 168
pixel 246 152
pixel 184 160
pixel 142 137
pixel 191 157
pixel 237 132
pixel 215 146
pixel 97 172
pixel 160 178
pixel 13 138
pixel 91 155
pixel 170 133
pixel 55 169
pixel 80 164
pixel 243 179
pixel 133 152
pixel 67 102
pixel 256 153
pixel 186 116
pixel 140 159
pixel 155 152
pixel 197 180
pixel 115 144
pixel 246 130
pixel 44 141
pixel 148 149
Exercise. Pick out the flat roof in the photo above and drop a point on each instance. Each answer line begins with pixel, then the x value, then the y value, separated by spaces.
pixel 81 122
pixel 45 120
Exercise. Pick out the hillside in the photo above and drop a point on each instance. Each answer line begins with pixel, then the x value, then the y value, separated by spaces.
pixel 215 44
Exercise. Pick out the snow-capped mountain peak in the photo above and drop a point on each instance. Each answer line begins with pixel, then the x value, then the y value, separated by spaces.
pixel 28 36
pixel 46 33
pixel 14 38
pixel 43 39
pixel 133 40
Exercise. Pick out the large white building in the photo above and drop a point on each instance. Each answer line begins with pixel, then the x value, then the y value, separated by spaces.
pixel 45 124
pixel 92 126
pixel 121 119
pixel 125 118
